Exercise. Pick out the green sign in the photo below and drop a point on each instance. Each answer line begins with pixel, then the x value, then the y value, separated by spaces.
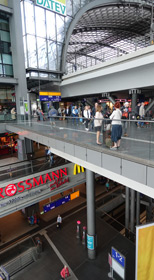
pixel 57 6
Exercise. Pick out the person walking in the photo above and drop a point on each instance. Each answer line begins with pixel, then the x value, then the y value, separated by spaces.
pixel 13 114
pixel 142 113
pixel 86 116
pixel 116 132
pixel 52 115
pixel 59 221
pixel 98 123
pixel 65 272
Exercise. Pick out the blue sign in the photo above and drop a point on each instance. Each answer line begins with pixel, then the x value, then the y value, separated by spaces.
pixel 56 203
pixel 44 98
pixel 118 257
pixel 90 242
pixel 54 98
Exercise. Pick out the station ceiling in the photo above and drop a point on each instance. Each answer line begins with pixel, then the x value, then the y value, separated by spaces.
pixel 105 32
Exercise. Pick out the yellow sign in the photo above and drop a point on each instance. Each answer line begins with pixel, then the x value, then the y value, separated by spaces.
pixel 4 2
pixel 145 252
pixel 74 195
pixel 50 93
pixel 78 169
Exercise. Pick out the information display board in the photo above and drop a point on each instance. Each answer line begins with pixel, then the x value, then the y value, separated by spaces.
pixel 52 205
pixel 118 264
pixel 90 242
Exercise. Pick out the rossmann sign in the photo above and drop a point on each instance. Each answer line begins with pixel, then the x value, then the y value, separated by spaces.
pixel 57 6
pixel 54 179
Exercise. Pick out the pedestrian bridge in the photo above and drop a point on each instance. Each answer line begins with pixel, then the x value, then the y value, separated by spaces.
pixel 134 70
pixel 132 165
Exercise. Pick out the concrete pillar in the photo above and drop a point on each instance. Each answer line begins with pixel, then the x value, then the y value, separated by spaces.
pixel 91 222
pixel 134 102
pixel 127 192
pixel 132 212
pixel 18 52
pixel 21 149
pixel 137 208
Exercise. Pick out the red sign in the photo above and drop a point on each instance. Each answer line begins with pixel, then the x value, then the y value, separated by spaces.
pixel 55 177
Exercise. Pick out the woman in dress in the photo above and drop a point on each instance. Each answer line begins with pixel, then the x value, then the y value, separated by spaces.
pixel 116 126
pixel 98 123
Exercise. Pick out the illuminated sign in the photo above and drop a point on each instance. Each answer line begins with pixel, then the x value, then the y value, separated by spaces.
pixel 57 178
pixel 74 195
pixel 54 204
pixel 77 169
pixel 50 96
pixel 57 6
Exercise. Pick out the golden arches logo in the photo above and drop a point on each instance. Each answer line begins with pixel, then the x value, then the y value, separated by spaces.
pixel 78 169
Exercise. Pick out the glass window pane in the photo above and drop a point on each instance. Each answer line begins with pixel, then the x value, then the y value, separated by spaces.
pixel 52 55
pixel 59 49
pixel 42 53
pixel 5 36
pixel 40 22
pixel 69 7
pixel 32 59
pixel 25 51
pixel 8 70
pixel 1 69
pixel 51 29
pixel 30 27
pixel 60 28
pixel 7 59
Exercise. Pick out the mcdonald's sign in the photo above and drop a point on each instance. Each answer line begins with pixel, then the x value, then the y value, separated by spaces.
pixel 78 169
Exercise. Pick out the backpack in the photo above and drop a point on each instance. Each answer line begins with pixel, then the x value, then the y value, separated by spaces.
pixel 125 115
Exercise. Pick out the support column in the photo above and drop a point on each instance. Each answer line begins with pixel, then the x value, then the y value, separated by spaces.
pixel 134 102
pixel 132 213
pixel 91 222
pixel 127 192
pixel 137 208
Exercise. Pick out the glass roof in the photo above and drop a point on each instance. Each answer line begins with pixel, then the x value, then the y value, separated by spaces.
pixel 109 31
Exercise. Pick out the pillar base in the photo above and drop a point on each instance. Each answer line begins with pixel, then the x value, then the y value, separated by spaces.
pixel 91 254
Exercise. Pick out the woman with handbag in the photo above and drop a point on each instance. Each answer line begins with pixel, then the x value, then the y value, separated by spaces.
pixel 116 132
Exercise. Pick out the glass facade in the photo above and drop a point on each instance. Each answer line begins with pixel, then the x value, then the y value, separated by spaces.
pixel 6 67
pixel 44 33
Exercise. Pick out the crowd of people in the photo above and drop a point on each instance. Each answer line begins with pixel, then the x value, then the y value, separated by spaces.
pixel 92 118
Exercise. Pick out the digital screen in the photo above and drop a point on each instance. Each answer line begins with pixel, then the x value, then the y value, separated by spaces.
pixel 49 207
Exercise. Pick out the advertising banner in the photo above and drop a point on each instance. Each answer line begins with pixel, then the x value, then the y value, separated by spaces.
pixel 145 252
pixel 23 192
pixel 57 6
pixel 4 2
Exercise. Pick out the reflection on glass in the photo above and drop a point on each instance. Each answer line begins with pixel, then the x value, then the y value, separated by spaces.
pixel 42 53
pixel 4 36
pixel 30 27
pixel 25 51
pixel 60 28
pixel 7 58
pixel 52 55
pixel 51 29
pixel 69 7
pixel 1 69
pixel 59 50
pixel 40 22
pixel 32 59
pixel 8 70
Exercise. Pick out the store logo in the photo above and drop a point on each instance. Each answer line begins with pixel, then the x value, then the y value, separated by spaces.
pixel 11 190
pixel 57 6
pixel 56 179
pixel 78 169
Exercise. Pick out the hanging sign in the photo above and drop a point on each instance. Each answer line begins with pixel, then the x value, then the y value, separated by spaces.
pixel 50 96
pixel 57 6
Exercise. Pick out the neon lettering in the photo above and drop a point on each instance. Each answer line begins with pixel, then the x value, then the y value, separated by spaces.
pixel 55 175
pixel 63 9
pixel 63 172
pixel 1 190
pixel 38 182
pixel 57 7
pixel 46 2
pixel 47 177
pixel 21 186
pixel 30 184
pixel 39 2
